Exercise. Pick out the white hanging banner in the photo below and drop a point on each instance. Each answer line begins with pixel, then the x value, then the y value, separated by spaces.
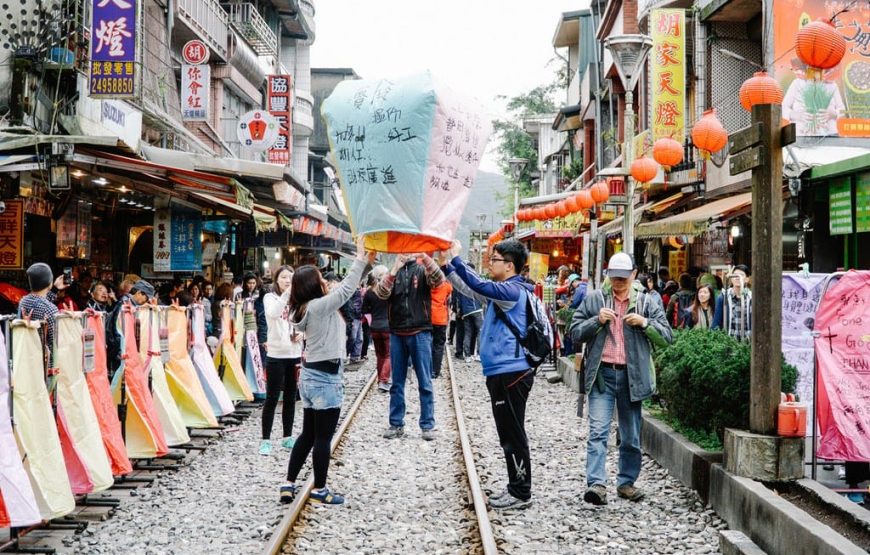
pixel 195 86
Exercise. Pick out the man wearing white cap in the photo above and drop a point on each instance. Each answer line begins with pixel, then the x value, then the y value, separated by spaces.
pixel 618 323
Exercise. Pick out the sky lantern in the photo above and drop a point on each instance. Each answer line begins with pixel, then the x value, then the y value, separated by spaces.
pixel 644 169
pixel 819 45
pixel 761 88
pixel 668 152
pixel 709 135
pixel 406 152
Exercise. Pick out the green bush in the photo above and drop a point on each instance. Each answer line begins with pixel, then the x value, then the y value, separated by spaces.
pixel 704 380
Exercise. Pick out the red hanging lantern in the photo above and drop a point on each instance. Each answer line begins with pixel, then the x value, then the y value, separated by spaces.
pixel 761 88
pixel 539 213
pixel 561 209
pixel 644 170
pixel 584 199
pixel 819 45
pixel 709 135
pixel 521 215
pixel 600 192
pixel 572 204
pixel 667 152
pixel 550 211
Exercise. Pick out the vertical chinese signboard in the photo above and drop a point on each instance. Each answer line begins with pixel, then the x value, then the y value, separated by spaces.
pixel 668 60
pixel 113 49
pixel 195 81
pixel 162 250
pixel 12 236
pixel 177 241
pixel 279 97
pixel 839 102
pixel 840 197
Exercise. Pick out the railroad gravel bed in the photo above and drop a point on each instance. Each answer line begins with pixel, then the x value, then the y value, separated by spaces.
pixel 403 495
pixel 224 502
pixel 671 519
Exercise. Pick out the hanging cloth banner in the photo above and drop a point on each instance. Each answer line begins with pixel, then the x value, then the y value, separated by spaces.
pixel 843 357
pixel 214 390
pixel 74 402
pixel 143 433
pixel 238 326
pixel 149 349
pixel 253 361
pixel 407 152
pixel 227 361
pixel 17 502
pixel 101 399
pixel 181 375
pixel 800 298
pixel 35 427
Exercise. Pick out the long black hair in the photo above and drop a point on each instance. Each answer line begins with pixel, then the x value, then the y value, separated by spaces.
pixel 306 286
pixel 277 288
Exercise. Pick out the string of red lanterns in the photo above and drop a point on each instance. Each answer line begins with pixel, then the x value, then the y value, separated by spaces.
pixel 583 200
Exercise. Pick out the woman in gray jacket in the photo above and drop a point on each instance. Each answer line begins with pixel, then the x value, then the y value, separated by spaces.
pixel 314 311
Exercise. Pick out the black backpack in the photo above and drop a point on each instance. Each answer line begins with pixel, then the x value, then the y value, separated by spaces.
pixel 537 342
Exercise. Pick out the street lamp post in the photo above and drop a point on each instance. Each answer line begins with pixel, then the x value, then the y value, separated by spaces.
pixel 517 165
pixel 629 54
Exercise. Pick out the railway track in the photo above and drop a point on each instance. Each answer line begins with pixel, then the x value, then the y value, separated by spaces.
pixel 472 501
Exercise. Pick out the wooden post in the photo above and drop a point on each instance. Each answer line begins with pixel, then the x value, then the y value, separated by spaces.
pixel 765 383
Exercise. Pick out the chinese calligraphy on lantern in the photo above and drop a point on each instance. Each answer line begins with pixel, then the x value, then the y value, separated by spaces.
pixel 668 60
pixel 113 49
pixel 195 85
pixel 278 101
pixel 12 236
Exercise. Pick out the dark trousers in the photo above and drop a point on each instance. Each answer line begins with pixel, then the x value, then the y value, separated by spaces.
pixel 318 427
pixel 508 394
pixel 439 338
pixel 280 377
pixel 473 324
pixel 459 339
pixel 367 338
pixel 451 331
pixel 382 352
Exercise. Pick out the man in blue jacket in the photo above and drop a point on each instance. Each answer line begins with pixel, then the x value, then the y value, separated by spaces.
pixel 509 378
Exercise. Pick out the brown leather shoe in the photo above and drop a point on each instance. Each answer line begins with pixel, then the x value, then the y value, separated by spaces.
pixel 629 492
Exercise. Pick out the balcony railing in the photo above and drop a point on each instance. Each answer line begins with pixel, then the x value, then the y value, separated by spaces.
pixel 209 21
pixel 250 24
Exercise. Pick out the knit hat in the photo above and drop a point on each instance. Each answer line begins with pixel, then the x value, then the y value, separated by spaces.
pixel 39 275
pixel 144 287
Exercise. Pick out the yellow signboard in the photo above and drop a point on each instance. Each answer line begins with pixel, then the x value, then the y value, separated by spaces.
pixel 668 62
pixel 538 266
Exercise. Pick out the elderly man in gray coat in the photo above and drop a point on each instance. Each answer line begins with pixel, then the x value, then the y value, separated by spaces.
pixel 619 324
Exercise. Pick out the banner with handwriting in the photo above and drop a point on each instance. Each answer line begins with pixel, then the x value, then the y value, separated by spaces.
pixel 407 152
pixel 843 356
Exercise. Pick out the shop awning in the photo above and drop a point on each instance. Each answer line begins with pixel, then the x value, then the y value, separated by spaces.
pixel 15 141
pixel 233 167
pixel 663 205
pixel 695 221
pixel 614 226
pixel 222 206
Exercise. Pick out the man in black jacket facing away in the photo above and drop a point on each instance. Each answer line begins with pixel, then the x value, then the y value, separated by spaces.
pixel 140 294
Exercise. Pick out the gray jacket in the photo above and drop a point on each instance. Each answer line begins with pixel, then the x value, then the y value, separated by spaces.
pixel 585 327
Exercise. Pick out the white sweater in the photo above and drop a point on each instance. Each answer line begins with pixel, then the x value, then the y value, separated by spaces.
pixel 279 340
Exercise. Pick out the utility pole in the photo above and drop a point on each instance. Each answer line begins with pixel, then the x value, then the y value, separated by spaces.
pixel 517 165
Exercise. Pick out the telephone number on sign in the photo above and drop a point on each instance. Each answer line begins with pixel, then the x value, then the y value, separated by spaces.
pixel 112 85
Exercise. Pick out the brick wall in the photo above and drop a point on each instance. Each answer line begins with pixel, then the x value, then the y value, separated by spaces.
pixel 629 17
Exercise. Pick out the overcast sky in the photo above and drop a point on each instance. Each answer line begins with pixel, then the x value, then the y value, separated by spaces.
pixel 483 48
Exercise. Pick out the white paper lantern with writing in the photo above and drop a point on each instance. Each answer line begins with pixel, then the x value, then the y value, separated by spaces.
pixel 407 152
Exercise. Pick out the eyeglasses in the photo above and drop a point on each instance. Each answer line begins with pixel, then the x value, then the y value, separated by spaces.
pixel 494 259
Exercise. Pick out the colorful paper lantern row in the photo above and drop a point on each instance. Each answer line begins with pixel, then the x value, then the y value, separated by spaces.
pixel 819 45
pixel 709 135
pixel 583 200
pixel 644 169
pixel 761 88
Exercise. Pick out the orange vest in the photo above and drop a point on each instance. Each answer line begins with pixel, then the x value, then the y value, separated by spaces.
pixel 440 317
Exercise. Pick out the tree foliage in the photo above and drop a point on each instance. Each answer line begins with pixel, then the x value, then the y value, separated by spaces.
pixel 514 142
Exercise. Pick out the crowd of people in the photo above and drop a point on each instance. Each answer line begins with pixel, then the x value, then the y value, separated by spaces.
pixel 310 326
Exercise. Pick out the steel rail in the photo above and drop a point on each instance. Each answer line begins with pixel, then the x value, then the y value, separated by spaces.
pixel 294 511
pixel 487 537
